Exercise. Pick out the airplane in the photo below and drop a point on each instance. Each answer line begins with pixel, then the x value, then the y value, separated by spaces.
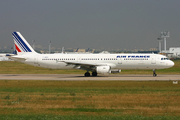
pixel 77 50
pixel 95 63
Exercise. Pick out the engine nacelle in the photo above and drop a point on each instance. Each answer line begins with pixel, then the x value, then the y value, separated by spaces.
pixel 115 70
pixel 103 69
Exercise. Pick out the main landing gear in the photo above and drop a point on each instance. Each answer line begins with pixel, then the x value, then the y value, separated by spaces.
pixel 154 73
pixel 94 73
pixel 87 74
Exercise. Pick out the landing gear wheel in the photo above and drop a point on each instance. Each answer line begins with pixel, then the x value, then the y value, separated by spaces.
pixel 154 73
pixel 87 74
pixel 94 73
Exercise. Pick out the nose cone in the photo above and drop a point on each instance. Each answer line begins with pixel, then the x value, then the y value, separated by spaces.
pixel 171 63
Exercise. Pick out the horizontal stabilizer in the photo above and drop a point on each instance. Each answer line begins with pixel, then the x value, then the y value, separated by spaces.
pixel 17 58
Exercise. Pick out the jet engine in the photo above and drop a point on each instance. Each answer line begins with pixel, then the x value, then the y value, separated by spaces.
pixel 103 69
pixel 115 70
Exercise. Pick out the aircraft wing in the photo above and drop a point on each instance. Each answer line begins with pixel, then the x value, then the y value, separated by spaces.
pixel 87 66
pixel 84 64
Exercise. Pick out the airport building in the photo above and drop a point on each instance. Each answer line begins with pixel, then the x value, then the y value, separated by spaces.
pixel 173 52
pixel 79 50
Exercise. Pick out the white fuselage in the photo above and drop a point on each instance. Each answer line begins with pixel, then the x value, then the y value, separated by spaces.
pixel 115 61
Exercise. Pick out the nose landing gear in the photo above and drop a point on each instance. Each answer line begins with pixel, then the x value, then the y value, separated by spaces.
pixel 154 73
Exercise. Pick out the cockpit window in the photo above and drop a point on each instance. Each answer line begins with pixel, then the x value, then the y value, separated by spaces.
pixel 164 59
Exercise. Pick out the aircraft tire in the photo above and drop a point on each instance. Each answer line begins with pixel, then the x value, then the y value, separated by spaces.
pixel 94 73
pixel 154 75
pixel 87 74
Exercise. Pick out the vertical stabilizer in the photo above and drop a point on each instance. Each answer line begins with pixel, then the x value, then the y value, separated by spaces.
pixel 21 45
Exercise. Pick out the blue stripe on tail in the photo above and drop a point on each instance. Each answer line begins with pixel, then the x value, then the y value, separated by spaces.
pixel 23 45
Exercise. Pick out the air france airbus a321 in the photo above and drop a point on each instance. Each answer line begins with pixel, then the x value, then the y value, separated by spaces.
pixel 96 63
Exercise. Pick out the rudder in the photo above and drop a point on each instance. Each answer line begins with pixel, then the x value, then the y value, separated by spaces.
pixel 21 45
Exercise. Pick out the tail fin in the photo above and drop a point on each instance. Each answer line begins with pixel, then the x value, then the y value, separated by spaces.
pixel 22 46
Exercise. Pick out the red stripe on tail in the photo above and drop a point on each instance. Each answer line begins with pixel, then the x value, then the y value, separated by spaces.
pixel 17 48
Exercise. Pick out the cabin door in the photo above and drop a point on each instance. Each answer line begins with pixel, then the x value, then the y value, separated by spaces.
pixel 79 59
pixel 119 60
pixel 36 59
pixel 153 59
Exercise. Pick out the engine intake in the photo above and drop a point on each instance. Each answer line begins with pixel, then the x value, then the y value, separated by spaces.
pixel 103 69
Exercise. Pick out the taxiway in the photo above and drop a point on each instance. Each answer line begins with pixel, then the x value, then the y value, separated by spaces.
pixel 80 77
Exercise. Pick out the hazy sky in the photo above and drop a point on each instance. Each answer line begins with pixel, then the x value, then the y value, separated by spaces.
pixel 123 24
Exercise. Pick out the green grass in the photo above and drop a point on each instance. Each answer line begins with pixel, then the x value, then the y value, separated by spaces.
pixel 83 117
pixel 89 100
pixel 98 87
pixel 12 67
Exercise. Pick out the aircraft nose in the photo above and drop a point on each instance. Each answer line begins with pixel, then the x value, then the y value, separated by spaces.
pixel 171 63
